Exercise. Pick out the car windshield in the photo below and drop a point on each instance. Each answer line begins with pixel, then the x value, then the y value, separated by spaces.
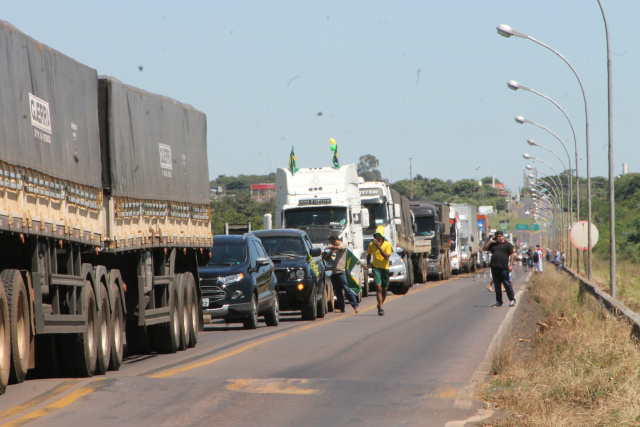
pixel 228 253
pixel 327 216
pixel 283 246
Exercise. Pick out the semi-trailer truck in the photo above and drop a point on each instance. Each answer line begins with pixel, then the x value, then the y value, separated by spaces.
pixel 104 215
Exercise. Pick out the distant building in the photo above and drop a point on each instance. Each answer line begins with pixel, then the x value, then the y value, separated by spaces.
pixel 263 192
pixel 216 192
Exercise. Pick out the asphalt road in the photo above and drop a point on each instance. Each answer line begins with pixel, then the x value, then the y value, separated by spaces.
pixel 415 366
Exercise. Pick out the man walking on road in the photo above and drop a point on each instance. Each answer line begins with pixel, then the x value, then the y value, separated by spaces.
pixel 338 276
pixel 502 255
pixel 380 250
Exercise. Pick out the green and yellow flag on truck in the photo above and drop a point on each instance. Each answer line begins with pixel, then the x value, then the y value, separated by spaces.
pixel 351 262
pixel 292 162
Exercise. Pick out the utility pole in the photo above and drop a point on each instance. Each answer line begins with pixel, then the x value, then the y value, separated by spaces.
pixel 411 176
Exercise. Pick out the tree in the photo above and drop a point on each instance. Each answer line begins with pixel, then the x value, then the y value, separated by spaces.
pixel 367 168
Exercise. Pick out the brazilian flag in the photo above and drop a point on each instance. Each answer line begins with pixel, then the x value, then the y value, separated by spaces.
pixel 351 262
pixel 292 162
pixel 336 163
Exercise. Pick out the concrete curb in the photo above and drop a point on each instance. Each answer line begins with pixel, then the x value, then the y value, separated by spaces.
pixel 613 305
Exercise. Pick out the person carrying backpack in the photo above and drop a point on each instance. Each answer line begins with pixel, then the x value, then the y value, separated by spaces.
pixel 537 260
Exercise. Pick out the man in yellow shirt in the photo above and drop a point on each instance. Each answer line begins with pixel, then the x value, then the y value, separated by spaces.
pixel 380 250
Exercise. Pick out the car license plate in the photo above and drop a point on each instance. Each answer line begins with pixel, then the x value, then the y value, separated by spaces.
pixel 205 302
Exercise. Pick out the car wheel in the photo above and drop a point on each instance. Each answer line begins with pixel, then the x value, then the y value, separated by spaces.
pixel 322 304
pixel 310 308
pixel 251 322
pixel 272 318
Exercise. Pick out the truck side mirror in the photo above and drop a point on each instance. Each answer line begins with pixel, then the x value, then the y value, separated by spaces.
pixel 397 212
pixel 364 218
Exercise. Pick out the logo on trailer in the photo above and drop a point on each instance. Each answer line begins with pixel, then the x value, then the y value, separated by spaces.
pixel 40 117
pixel 306 202
pixel 165 160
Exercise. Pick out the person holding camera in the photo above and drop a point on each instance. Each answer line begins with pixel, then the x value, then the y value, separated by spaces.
pixel 502 255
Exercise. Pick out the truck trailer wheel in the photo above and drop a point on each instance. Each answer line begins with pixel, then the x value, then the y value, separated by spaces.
pixel 5 341
pixel 82 354
pixel 18 303
pixel 185 309
pixel 104 332
pixel 117 329
pixel 166 336
pixel 194 324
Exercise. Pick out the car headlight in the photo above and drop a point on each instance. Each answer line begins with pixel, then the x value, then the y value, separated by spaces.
pixel 226 280
pixel 297 274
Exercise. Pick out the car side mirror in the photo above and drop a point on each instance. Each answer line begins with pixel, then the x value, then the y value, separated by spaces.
pixel 262 261
pixel 315 251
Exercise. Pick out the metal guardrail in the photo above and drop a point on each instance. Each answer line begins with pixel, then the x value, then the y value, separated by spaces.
pixel 610 303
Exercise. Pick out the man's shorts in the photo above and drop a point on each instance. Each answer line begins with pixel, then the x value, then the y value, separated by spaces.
pixel 381 277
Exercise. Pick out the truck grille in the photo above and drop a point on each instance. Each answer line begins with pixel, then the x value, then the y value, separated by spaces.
pixel 213 290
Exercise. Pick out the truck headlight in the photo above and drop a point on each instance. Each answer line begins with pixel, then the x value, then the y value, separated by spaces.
pixel 297 274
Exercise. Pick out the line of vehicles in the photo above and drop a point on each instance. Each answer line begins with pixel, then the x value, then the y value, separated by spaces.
pixel 105 231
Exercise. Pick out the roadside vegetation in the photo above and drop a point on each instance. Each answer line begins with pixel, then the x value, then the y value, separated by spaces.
pixel 576 366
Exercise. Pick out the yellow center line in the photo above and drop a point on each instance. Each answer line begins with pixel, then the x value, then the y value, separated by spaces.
pixel 38 399
pixel 249 346
pixel 58 404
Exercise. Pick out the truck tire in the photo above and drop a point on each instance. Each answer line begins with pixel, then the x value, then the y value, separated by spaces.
pixel 117 330
pixel 194 324
pixel 418 270
pixel 364 276
pixel 272 318
pixel 5 341
pixel 82 348
pixel 185 309
pixel 409 273
pixel 251 321
pixel 310 307
pixel 165 337
pixel 19 325
pixel 104 332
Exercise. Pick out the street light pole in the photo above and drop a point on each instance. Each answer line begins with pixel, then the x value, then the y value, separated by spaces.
pixel 527 157
pixel 514 85
pixel 533 143
pixel 506 31
pixel 612 207
pixel 521 120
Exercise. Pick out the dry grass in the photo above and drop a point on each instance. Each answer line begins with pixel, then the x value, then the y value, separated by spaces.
pixel 583 368
pixel 627 280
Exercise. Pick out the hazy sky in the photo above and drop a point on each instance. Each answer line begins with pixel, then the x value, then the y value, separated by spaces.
pixel 396 79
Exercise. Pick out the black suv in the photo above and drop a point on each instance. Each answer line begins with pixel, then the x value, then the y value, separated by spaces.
pixel 238 283
pixel 300 272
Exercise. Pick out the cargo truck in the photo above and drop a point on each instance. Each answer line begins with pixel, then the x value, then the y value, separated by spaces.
pixel 385 211
pixel 104 215
pixel 468 236
pixel 322 201
pixel 432 231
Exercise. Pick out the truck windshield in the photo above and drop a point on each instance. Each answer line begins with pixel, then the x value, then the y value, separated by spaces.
pixel 426 225
pixel 318 217
pixel 377 215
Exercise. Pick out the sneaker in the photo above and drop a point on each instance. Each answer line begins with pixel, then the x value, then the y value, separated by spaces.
pixel 356 309
pixel 496 304
pixel 512 303
pixel 380 312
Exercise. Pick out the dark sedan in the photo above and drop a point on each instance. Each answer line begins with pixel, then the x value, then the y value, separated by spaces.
pixel 238 283
pixel 299 270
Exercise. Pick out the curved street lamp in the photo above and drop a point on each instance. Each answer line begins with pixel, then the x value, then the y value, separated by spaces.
pixel 514 85
pixel 559 183
pixel 533 143
pixel 506 31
